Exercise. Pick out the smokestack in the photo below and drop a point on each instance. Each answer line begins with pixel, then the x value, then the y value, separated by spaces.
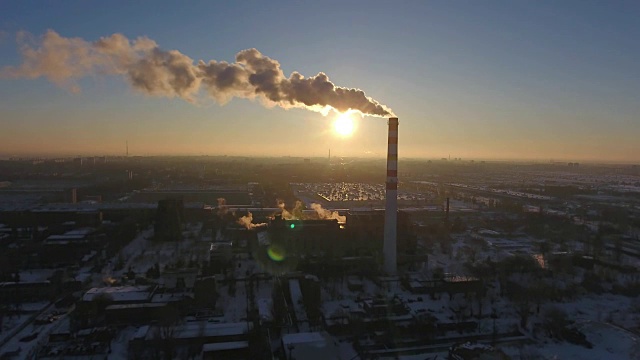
pixel 127 145
pixel 447 208
pixel 391 208
pixel 73 195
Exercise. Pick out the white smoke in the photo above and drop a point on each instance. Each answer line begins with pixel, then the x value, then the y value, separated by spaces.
pixel 325 214
pixel 247 221
pixel 222 207
pixel 169 73
pixel 286 215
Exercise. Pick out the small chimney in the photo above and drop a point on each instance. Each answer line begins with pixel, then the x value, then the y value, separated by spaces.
pixel 447 213
pixel 73 195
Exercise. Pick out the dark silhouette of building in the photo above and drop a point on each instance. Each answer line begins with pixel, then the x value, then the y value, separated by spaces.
pixel 169 219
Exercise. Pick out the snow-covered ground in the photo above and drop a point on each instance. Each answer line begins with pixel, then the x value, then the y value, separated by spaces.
pixel 12 321
pixel 120 345
pixel 608 341
pixel 32 336
pixel 143 253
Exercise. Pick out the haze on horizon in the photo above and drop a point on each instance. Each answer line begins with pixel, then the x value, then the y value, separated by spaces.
pixel 478 80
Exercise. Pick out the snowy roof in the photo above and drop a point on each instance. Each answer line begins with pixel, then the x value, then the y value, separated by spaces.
pixel 81 231
pixel 474 346
pixel 89 256
pixel 76 234
pixel 302 338
pixel 170 278
pixel 135 306
pixel 338 307
pixel 421 209
pixel 35 275
pixel 231 345
pixel 172 297
pixel 264 309
pixel 23 283
pixel 197 329
pixel 141 332
pixel 488 232
pixel 310 345
pixel 63 238
pixel 121 293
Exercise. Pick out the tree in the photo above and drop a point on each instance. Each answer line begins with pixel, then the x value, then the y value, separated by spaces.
pixel 100 302
pixel 618 248
pixel 544 247
pixel 131 274
pixel 523 310
pixel 597 245
pixel 458 226
pixel 554 321
pixel 166 329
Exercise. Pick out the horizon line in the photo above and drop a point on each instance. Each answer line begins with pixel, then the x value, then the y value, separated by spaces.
pixel 544 160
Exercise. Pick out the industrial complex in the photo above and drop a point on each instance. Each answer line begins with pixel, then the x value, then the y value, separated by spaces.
pixel 196 259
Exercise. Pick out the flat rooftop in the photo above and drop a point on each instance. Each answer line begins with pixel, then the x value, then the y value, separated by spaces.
pixel 121 293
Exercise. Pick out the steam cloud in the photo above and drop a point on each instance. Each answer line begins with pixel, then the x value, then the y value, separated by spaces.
pixel 247 221
pixel 297 213
pixel 325 214
pixel 169 73
pixel 222 207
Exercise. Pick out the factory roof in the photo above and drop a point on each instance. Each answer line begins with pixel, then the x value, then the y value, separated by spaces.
pixel 70 236
pixel 121 293
pixel 141 332
pixel 264 309
pixel 206 329
pixel 231 345
pixel 302 338
pixel 135 306
pixel 310 345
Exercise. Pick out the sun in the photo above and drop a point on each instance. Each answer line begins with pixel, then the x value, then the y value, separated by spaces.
pixel 344 125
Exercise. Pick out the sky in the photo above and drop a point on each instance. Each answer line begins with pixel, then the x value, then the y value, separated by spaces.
pixel 543 80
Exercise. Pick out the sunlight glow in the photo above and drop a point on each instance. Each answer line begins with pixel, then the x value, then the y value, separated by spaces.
pixel 344 125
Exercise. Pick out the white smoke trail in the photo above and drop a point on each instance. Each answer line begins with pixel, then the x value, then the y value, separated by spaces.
pixel 169 73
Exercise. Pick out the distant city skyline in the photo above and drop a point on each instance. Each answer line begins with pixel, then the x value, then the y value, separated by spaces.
pixel 479 80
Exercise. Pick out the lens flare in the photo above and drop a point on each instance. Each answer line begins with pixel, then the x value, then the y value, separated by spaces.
pixel 276 253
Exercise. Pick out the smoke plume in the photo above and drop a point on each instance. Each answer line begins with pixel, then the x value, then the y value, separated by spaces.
pixel 325 214
pixel 247 221
pixel 285 213
pixel 222 207
pixel 169 73
pixel 296 212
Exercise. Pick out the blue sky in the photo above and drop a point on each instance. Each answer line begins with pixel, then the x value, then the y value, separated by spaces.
pixel 474 79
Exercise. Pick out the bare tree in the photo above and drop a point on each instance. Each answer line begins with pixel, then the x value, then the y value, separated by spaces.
pixel 166 331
